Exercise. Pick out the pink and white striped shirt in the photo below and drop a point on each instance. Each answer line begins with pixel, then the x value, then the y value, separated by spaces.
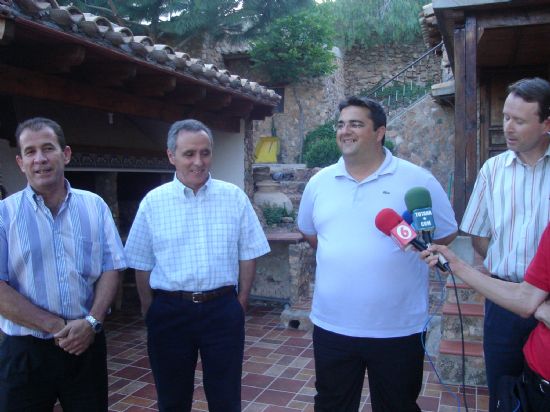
pixel 510 204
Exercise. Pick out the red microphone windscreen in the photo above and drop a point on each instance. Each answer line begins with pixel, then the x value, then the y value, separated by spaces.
pixel 386 220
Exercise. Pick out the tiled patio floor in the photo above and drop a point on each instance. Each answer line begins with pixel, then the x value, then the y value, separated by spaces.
pixel 278 370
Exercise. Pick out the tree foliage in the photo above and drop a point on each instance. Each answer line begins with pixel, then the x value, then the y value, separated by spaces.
pixel 368 22
pixel 295 47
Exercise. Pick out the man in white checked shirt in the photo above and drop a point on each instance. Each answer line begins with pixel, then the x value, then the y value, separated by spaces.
pixel 193 243
pixel 60 254
pixel 507 213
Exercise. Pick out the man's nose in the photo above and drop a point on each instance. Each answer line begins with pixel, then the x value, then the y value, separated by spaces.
pixel 40 157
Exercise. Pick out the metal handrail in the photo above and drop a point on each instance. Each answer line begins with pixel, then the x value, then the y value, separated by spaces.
pixel 381 86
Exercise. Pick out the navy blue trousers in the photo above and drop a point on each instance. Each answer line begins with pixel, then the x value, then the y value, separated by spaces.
pixel 35 373
pixel 504 334
pixel 394 365
pixel 177 331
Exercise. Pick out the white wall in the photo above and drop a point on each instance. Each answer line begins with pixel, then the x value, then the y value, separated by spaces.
pixel 228 157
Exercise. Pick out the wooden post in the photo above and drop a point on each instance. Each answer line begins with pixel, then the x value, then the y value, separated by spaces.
pixel 465 48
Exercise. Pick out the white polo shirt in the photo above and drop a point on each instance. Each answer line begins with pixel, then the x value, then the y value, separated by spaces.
pixel 365 285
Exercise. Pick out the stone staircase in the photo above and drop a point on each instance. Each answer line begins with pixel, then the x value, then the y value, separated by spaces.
pixel 449 362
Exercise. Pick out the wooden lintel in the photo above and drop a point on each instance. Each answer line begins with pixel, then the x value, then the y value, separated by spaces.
pixel 513 18
pixel 240 108
pixel 215 101
pixel 23 82
pixel 60 59
pixel 152 86
pixel 109 74
pixel 187 94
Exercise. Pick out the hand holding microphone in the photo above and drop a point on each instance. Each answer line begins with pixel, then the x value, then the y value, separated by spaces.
pixel 391 224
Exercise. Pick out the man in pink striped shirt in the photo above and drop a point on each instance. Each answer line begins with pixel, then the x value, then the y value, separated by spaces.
pixel 507 213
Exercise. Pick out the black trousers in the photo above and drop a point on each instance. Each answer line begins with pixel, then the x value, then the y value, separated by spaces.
pixel 177 331
pixel 34 374
pixel 394 365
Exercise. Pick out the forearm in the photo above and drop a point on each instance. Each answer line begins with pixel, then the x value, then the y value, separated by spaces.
pixel 247 273
pixel 22 311
pixel 105 291
pixel 144 290
pixel 520 298
pixel 446 240
pixel 543 313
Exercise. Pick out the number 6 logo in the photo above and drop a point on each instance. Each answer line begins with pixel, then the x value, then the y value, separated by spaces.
pixel 404 232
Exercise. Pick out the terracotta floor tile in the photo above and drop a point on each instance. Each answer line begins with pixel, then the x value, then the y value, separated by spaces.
pixel 288 385
pixel 278 372
pixel 277 398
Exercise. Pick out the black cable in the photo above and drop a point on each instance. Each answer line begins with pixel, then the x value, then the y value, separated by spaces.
pixel 462 341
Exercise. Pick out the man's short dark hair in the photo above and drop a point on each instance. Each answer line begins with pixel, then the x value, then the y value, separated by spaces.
pixel 376 111
pixel 38 123
pixel 189 125
pixel 533 90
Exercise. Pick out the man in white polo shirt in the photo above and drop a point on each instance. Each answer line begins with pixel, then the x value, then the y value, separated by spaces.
pixel 371 299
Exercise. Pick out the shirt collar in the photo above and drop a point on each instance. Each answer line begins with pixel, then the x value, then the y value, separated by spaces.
pixel 187 191
pixel 388 166
pixel 34 198
pixel 511 156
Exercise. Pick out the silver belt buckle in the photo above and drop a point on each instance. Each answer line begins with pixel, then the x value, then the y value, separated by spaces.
pixel 196 297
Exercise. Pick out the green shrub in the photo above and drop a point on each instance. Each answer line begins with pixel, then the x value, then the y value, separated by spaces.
pixel 322 152
pixel 274 214
pixel 325 131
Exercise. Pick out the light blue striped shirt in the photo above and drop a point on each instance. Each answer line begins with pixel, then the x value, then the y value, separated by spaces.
pixel 194 243
pixel 55 261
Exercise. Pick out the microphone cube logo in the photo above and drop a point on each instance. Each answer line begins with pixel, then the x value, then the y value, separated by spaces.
pixel 403 235
pixel 404 232
pixel 423 219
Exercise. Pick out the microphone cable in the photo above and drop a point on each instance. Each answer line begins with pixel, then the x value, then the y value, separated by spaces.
pixel 461 340
pixel 463 357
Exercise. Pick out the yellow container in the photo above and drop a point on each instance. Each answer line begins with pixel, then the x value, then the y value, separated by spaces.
pixel 267 149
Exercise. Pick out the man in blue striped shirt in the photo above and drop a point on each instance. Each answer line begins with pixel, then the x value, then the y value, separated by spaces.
pixel 60 254
pixel 192 242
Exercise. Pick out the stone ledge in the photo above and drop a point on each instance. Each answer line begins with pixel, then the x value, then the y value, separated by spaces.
pixel 285 237
pixel 467 309
pixel 454 347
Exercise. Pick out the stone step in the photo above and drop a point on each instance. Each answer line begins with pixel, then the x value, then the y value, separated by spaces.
pixel 472 321
pixel 449 363
pixel 465 294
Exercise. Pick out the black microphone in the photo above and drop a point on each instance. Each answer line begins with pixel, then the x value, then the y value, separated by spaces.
pixel 419 204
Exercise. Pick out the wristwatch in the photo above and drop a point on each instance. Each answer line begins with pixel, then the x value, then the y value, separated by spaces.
pixel 96 325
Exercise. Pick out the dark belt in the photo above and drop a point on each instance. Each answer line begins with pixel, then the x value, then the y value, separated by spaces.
pixel 196 297
pixel 531 377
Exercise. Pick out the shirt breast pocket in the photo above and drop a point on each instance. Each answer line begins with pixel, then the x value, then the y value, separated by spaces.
pixel 88 258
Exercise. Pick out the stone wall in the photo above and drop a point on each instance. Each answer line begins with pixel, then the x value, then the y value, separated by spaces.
pixel 365 68
pixel 307 104
pixel 424 135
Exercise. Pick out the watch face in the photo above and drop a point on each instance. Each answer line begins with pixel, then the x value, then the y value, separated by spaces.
pixel 96 325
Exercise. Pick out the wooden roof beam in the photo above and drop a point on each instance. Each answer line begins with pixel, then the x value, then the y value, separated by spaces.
pixel 109 75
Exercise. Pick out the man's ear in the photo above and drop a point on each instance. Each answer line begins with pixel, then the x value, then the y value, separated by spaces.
pixel 67 152
pixel 170 156
pixel 19 161
pixel 380 132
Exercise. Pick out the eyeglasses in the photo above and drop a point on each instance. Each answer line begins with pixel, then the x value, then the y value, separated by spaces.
pixel 353 124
